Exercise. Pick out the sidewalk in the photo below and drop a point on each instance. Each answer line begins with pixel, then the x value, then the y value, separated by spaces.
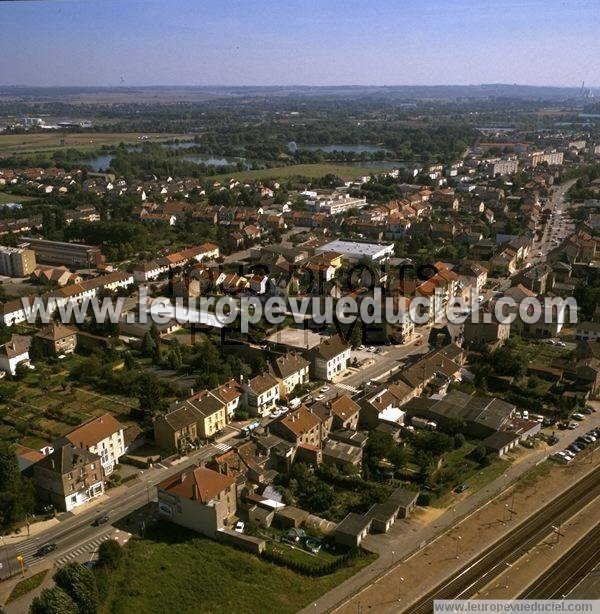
pixel 409 536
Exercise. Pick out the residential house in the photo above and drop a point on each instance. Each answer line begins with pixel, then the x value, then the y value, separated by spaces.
pixel 300 426
pixel 329 358
pixel 68 477
pixel 199 499
pixel 102 436
pixel 229 393
pixel 177 429
pixel 261 394
pixel 57 339
pixel 290 370
pixel 12 353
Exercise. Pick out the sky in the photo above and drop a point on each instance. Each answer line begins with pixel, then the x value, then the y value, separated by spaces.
pixel 299 42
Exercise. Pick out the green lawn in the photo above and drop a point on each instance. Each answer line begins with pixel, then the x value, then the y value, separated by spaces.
pixel 471 472
pixel 300 170
pixel 27 585
pixel 173 569
pixel 5 197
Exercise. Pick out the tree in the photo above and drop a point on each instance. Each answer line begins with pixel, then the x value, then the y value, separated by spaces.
pixel 79 583
pixel 148 344
pixel 53 601
pixel 459 441
pixel 17 497
pixel 149 393
pixel 109 554
pixel 129 361
pixel 36 349
pixel 479 453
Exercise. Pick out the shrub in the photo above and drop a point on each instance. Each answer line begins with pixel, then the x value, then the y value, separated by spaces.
pixel 110 554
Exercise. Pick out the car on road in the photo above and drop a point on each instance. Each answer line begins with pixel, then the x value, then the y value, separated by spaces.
pixel 371 348
pixel 100 520
pixel 461 488
pixel 45 549
pixel 561 344
pixel 325 389
pixel 319 397
pixel 239 526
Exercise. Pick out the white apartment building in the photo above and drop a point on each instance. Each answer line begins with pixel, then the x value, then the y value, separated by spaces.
pixel 329 358
pixel 102 436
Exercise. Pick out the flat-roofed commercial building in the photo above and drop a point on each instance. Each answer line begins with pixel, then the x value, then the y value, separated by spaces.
pixel 73 255
pixel 356 250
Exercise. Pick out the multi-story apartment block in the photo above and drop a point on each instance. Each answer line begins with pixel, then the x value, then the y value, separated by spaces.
pixel 16 261
pixel 68 477
pixel 102 436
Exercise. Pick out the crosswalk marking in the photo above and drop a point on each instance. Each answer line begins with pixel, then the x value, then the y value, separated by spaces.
pixel 347 387
pixel 89 547
pixel 222 447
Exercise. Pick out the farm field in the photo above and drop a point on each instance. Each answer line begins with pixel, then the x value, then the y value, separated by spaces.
pixel 13 198
pixel 52 140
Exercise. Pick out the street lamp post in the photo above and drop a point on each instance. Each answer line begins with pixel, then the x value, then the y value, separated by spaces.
pixel 458 538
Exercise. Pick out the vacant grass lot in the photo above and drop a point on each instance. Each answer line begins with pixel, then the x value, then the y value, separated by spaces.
pixel 469 471
pixel 54 139
pixel 300 170
pixel 13 198
pixel 173 569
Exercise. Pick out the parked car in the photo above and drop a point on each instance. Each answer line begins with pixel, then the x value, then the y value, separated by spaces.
pixel 461 488
pixel 579 417
pixel 325 389
pixel 239 526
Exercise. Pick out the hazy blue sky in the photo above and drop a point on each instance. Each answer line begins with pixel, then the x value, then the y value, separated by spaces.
pixel 270 42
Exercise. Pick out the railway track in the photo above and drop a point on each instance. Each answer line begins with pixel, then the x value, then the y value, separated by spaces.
pixel 568 571
pixel 491 562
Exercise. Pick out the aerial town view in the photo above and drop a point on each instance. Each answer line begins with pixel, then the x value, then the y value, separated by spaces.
pixel 299 306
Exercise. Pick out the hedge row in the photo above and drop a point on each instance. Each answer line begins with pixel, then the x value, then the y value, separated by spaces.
pixel 308 569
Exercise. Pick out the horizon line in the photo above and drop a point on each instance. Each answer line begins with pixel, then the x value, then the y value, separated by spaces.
pixel 303 85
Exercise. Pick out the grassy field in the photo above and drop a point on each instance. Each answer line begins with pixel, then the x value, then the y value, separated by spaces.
pixel 172 568
pixel 470 471
pixel 13 198
pixel 300 170
pixel 52 140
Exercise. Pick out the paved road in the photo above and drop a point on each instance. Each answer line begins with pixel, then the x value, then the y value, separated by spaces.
pixel 76 531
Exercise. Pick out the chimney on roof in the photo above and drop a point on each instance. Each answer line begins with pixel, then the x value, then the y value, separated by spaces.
pixel 195 492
